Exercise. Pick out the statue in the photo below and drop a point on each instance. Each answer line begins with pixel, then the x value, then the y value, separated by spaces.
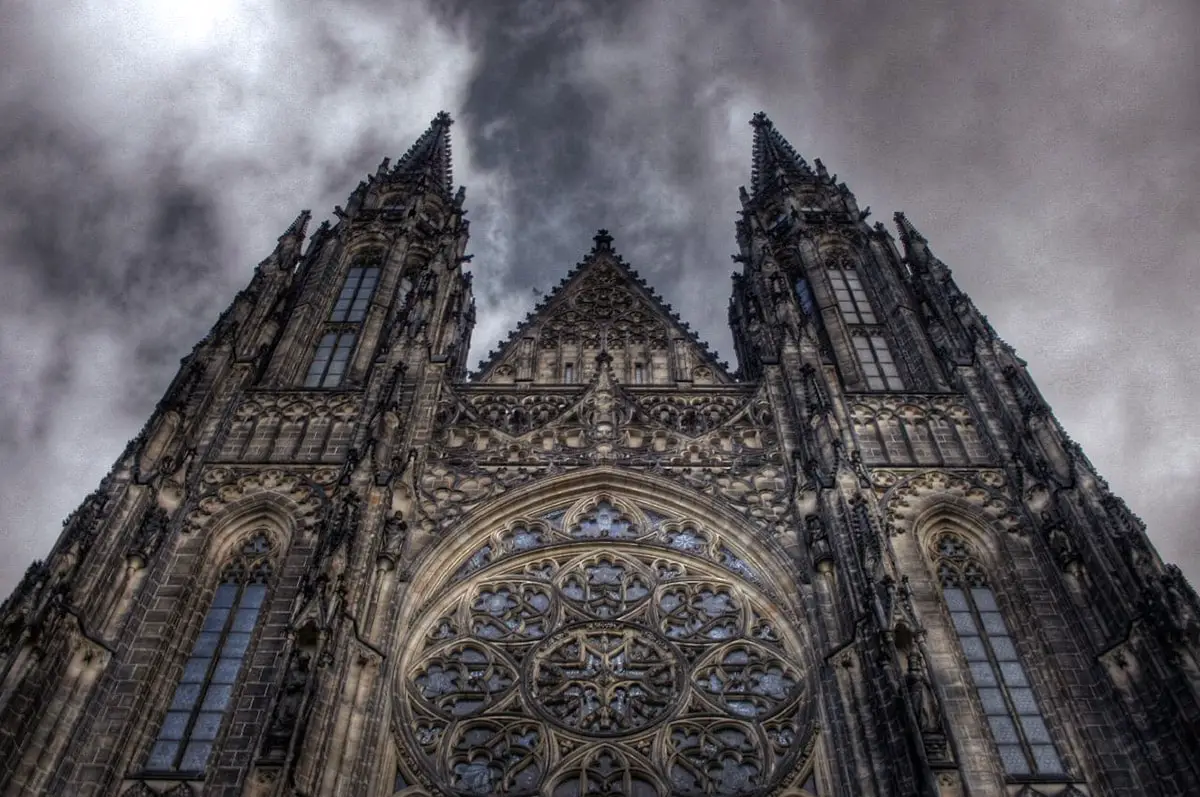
pixel 926 709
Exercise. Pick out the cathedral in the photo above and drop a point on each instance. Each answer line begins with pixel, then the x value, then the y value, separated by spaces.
pixel 868 562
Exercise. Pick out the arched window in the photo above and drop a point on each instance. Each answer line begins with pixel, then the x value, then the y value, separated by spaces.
pixel 345 321
pixel 1014 718
pixel 203 695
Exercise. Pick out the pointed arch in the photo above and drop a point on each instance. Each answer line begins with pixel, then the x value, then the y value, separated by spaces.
pixel 687 520
pixel 613 606
pixel 1002 686
pixel 240 547
pixel 204 691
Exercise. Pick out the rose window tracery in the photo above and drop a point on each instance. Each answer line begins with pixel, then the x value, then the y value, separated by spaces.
pixel 608 651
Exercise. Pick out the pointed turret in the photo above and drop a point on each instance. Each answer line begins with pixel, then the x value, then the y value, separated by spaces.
pixel 288 246
pixel 428 160
pixel 916 248
pixel 774 157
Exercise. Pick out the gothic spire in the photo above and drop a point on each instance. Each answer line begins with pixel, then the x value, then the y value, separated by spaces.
pixel 429 158
pixel 774 157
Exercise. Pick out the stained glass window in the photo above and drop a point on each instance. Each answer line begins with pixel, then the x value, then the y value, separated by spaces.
pixel 332 356
pixel 1013 715
pixel 329 364
pixel 203 694
pixel 351 305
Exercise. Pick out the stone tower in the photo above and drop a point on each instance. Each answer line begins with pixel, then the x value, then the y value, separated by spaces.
pixel 870 562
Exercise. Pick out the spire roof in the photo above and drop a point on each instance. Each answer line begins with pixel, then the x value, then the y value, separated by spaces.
pixel 429 156
pixel 602 256
pixel 774 156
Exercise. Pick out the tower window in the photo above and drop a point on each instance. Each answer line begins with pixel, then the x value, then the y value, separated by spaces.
pixel 1014 718
pixel 204 693
pixel 569 373
pixel 351 305
pixel 851 297
pixel 639 374
pixel 329 364
pixel 877 363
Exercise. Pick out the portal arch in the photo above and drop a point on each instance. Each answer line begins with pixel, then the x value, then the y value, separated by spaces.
pixel 603 631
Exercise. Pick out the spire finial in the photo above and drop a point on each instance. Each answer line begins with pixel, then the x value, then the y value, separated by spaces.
pixel 298 226
pixel 603 241
pixel 774 157
pixel 429 157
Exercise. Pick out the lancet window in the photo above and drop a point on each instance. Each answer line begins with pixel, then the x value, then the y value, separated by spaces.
pixel 870 341
pixel 204 693
pixel 342 327
pixel 351 305
pixel 1002 684
pixel 877 363
pixel 851 297
pixel 605 648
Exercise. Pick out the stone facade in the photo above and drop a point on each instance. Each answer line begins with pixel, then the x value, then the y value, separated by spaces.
pixel 869 562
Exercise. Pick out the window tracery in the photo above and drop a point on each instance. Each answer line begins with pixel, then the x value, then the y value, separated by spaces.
pixel 604 649
pixel 1002 684
pixel 204 692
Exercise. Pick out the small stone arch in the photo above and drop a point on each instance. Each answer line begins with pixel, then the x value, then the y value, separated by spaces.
pixel 965 522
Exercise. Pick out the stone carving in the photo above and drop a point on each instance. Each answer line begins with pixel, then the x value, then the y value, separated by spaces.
pixel 619 665
pixel 924 702
pixel 292 426
pixel 598 586
pixel 914 430
pixel 905 497
pixel 391 543
pixel 223 486
pixel 285 717
pixel 149 536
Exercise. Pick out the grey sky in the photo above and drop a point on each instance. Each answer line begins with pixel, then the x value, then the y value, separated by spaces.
pixel 150 153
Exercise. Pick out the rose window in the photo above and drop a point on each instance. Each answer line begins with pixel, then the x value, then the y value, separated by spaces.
pixel 609 658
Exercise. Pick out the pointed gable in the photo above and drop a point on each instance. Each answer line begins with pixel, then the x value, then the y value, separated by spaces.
pixel 603 306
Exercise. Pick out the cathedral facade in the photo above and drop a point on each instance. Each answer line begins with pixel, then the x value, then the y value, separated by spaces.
pixel 869 562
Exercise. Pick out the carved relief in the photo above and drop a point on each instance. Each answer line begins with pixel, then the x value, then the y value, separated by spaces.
pixel 918 430
pixel 905 497
pixel 297 426
pixel 222 486
pixel 723 444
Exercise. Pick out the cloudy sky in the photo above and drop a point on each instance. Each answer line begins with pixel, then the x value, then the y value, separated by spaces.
pixel 152 150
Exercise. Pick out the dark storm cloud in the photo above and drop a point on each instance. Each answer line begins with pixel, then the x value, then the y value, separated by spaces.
pixel 152 151
pixel 1050 152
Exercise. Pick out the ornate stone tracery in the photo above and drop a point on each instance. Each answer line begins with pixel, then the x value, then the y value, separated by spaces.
pixel 604 648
